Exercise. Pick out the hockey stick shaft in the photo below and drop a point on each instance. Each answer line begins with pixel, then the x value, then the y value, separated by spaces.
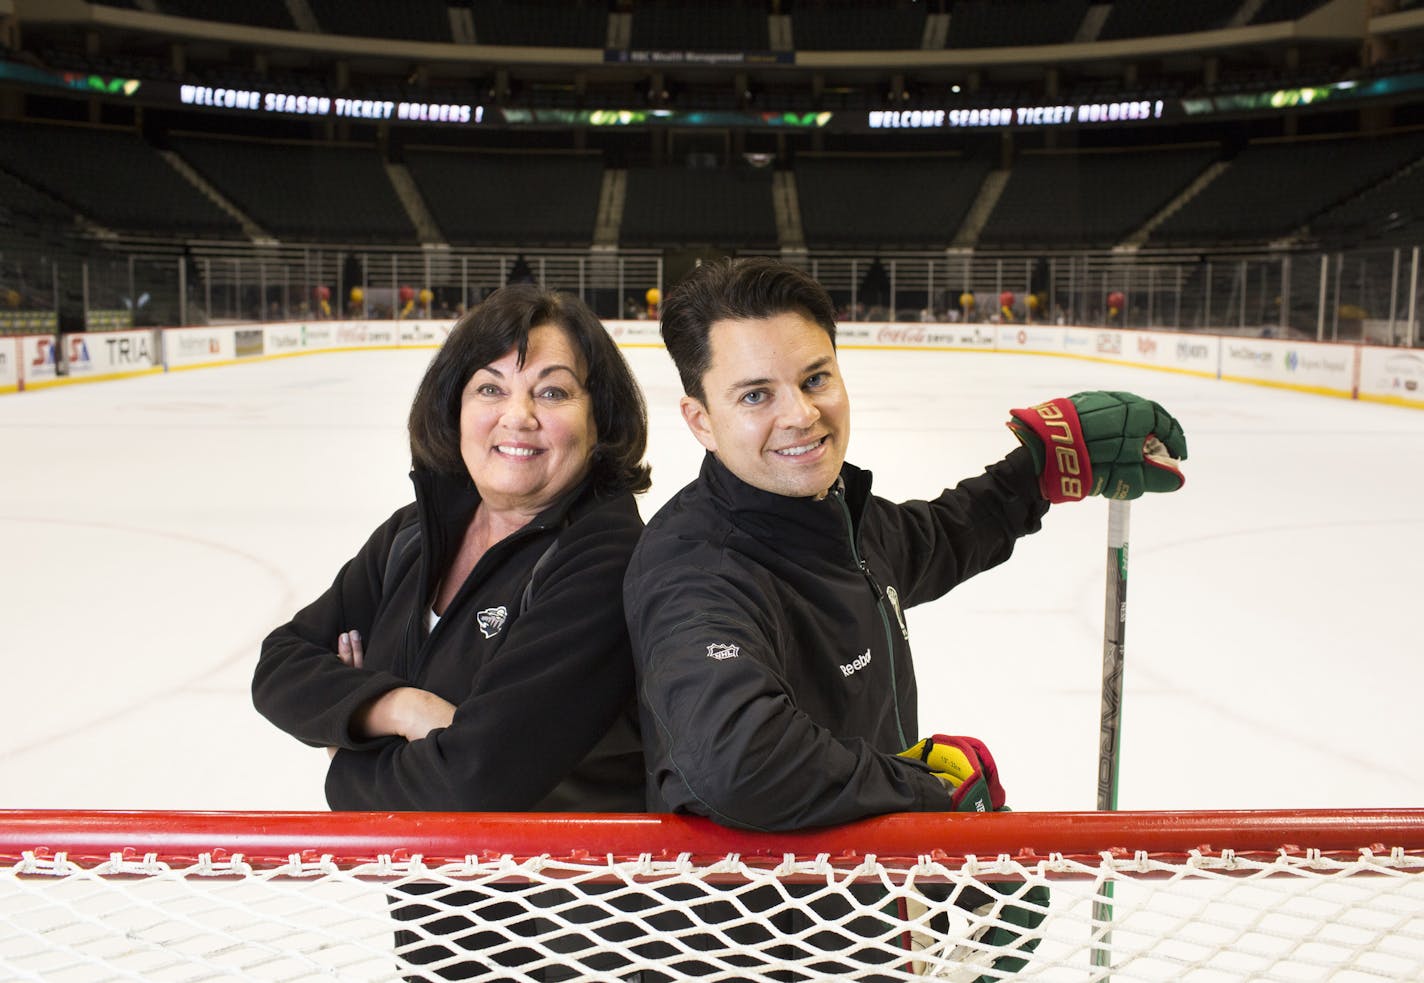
pixel 1110 722
pixel 1114 630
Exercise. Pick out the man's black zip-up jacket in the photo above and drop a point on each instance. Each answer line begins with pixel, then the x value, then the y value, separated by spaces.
pixel 533 651
pixel 774 668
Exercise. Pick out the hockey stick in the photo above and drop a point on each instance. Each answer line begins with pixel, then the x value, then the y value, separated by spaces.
pixel 1114 625
pixel 1110 722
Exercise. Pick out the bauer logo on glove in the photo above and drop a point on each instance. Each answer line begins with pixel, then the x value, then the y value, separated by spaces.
pixel 1113 444
pixel 967 769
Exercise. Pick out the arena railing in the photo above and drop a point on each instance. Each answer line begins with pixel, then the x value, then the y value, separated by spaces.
pixel 1308 294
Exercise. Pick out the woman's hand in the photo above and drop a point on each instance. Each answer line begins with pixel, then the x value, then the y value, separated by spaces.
pixel 349 650
pixel 406 712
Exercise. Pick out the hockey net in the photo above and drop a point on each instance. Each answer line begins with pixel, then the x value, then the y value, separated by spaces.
pixel 428 896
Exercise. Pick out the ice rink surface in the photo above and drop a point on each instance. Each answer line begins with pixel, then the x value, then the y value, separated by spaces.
pixel 155 529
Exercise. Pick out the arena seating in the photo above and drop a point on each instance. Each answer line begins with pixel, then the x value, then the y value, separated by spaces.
pixel 411 20
pixel 24 205
pixel 541 23
pixel 849 26
pixel 1088 199
pixel 111 177
pixel 995 23
pixel 1390 213
pixel 38 246
pixel 1342 188
pixel 829 25
pixel 672 206
pixel 886 201
pixel 1245 202
pixel 30 265
pixel 303 191
pixel 522 199
pixel 497 185
pixel 694 25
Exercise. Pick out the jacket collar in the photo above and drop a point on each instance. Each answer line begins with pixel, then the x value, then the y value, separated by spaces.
pixel 779 520
pixel 445 503
pixel 454 497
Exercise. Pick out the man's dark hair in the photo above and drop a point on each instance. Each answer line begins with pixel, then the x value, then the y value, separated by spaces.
pixel 502 322
pixel 735 290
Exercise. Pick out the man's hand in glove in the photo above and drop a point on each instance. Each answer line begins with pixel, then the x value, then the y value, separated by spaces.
pixel 967 769
pixel 1113 444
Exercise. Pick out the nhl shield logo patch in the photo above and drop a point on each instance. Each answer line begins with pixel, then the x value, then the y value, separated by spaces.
pixel 722 651
pixel 491 620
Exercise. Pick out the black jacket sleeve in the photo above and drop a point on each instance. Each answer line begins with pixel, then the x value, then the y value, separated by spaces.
pixel 722 735
pixel 300 684
pixel 536 708
pixel 937 544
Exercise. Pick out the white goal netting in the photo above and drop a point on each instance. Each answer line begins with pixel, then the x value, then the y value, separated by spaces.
pixel 439 896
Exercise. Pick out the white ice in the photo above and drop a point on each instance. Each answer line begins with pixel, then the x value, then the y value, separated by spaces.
pixel 154 529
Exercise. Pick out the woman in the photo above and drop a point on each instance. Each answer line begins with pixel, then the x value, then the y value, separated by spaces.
pixel 473 654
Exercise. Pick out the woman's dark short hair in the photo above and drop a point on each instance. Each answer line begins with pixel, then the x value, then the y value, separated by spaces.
pixel 502 322
pixel 735 290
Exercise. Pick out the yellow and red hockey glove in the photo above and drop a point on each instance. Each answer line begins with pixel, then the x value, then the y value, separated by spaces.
pixel 1113 444
pixel 967 769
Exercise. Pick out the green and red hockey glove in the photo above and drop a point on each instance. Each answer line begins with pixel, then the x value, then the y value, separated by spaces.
pixel 1112 444
pixel 967 769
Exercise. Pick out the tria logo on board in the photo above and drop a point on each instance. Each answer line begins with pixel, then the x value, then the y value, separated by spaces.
pixel 123 351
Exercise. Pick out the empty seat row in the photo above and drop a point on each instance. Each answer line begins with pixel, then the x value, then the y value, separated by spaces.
pixel 350 194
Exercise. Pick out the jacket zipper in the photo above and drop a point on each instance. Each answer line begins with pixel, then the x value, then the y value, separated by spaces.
pixel 880 603
pixel 422 649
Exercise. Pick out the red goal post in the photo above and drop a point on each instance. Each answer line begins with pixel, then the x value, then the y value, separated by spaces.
pixel 1245 895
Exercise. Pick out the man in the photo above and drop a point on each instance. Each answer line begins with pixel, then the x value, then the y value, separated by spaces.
pixel 766 599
